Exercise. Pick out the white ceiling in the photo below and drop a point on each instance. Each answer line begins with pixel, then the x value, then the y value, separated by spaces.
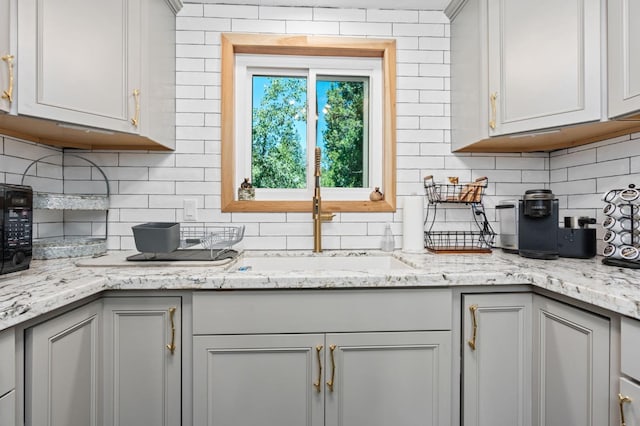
pixel 344 4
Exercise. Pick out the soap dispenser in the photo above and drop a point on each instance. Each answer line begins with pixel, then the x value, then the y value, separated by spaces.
pixel 388 243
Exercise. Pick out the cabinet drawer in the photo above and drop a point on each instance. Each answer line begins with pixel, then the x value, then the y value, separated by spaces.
pixel 7 364
pixel 8 409
pixel 631 409
pixel 307 311
pixel 630 347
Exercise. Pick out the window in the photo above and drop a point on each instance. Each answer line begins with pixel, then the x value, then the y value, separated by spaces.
pixel 283 96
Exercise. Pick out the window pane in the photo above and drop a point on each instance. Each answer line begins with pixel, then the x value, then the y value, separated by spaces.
pixel 279 132
pixel 342 105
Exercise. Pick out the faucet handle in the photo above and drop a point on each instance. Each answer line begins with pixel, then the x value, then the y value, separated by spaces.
pixel 327 216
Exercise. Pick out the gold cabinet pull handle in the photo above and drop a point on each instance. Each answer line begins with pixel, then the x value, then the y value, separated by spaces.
pixel 172 346
pixel 493 97
pixel 474 321
pixel 318 383
pixel 332 349
pixel 8 94
pixel 136 118
pixel 621 400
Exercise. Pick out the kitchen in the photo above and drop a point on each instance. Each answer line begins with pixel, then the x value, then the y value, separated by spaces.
pixel 149 186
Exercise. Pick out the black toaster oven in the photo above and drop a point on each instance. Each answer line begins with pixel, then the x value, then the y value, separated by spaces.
pixel 16 224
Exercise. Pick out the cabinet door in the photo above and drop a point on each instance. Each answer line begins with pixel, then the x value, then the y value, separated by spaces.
pixel 257 380
pixel 629 398
pixel 142 375
pixel 571 365
pixel 62 369
pixel 623 36
pixel 78 61
pixel 544 63
pixel 381 379
pixel 497 360
pixel 5 52
pixel 8 409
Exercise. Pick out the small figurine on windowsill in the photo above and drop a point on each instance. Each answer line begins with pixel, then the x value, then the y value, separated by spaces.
pixel 246 191
pixel 376 195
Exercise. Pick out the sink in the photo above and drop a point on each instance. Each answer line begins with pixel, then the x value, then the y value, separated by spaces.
pixel 320 263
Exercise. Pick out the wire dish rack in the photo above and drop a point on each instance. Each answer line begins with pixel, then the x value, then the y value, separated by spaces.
pixel 471 194
pixel 217 239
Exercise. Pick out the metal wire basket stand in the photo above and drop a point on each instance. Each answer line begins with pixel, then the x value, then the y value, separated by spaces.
pixel 217 239
pixel 470 194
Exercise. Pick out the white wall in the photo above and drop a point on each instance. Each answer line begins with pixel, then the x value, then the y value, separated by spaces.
pixel 151 186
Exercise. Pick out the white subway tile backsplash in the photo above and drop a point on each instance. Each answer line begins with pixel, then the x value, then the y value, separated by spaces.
pixel 606 168
pixel 191 9
pixel 434 43
pixel 629 148
pixel 587 186
pixel 204 24
pixel 189 37
pixel 559 175
pixel 520 163
pixel 541 176
pixel 432 70
pixel 254 25
pixel 231 11
pixel 465 163
pixel 365 29
pixel 420 83
pixel 287 13
pixel 419 30
pixel 389 15
pixel 176 173
pixel 339 15
pixel 316 28
pixel 427 136
pixel 573 159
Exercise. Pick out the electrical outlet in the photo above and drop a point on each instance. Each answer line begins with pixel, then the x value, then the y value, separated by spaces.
pixel 190 210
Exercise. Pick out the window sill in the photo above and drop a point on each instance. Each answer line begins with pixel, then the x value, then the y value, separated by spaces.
pixel 305 206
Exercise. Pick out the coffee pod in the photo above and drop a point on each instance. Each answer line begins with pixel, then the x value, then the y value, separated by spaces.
pixel 619 239
pixel 610 196
pixel 619 225
pixel 621 195
pixel 622 252
pixel 618 211
pixel 629 194
pixel 611 251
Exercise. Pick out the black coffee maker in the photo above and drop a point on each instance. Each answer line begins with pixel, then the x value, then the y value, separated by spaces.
pixel 538 225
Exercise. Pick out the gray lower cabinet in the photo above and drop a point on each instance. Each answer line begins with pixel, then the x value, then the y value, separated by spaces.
pixel 253 380
pixel 142 361
pixel 400 378
pixel 497 359
pixel 62 369
pixel 114 361
pixel 7 378
pixel 571 365
pixel 8 409
pixel 322 357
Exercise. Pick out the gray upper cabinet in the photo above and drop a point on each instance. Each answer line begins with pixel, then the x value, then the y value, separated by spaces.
pixel 624 57
pixel 80 61
pixel 527 76
pixel 105 68
pixel 544 64
pixel 7 54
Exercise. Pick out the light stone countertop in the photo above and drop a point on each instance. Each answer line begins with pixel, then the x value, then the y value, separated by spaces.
pixel 51 284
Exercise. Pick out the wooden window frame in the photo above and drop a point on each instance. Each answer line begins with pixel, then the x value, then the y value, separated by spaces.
pixel 233 43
